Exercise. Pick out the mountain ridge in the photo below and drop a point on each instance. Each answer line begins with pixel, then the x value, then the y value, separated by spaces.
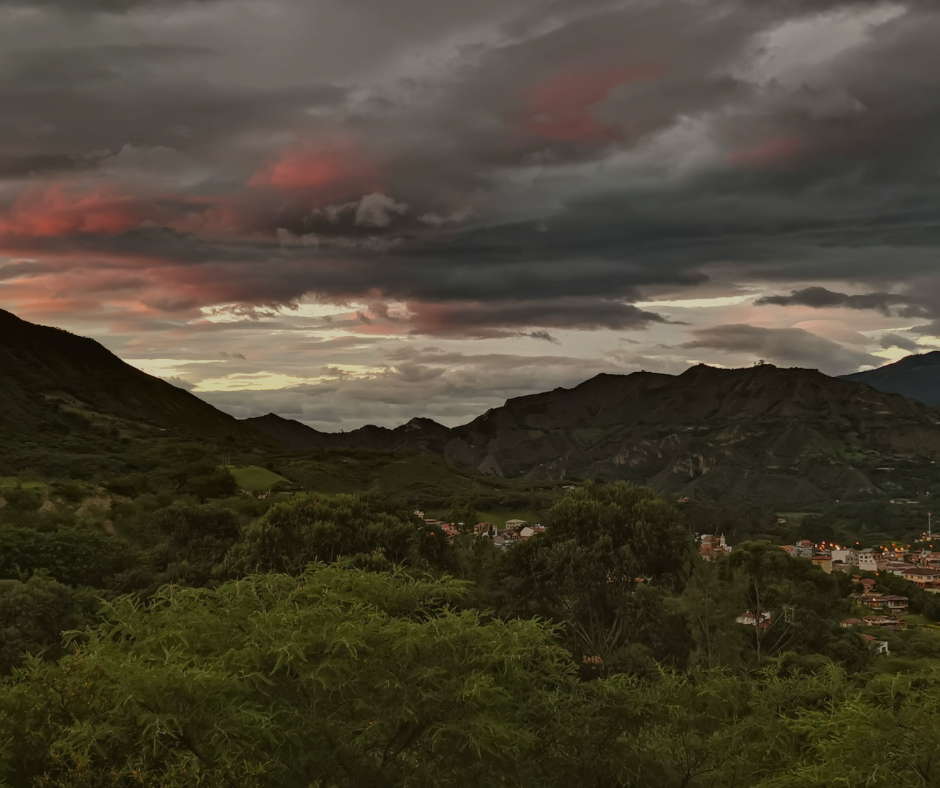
pixel 792 435
pixel 916 376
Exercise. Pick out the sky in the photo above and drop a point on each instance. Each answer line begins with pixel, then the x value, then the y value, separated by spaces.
pixel 361 211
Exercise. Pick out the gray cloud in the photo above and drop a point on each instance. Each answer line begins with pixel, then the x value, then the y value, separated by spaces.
pixel 97 6
pixel 891 340
pixel 793 346
pixel 820 297
pixel 504 319
pixel 443 385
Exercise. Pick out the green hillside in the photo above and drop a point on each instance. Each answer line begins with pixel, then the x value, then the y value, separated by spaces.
pixel 71 406
pixel 256 479
pixel 424 480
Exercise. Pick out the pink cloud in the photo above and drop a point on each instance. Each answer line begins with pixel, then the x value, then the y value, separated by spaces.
pixel 774 150
pixel 329 169
pixel 558 108
pixel 57 210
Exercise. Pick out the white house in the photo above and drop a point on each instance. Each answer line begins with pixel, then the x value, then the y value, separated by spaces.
pixel 845 556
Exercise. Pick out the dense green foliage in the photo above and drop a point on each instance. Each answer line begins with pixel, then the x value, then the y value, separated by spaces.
pixel 33 616
pixel 323 528
pixel 601 542
pixel 338 640
pixel 346 677
pixel 73 556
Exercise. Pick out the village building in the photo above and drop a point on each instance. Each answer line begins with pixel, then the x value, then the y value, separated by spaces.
pixel 749 619
pixel 513 527
pixel 896 605
pixel 878 646
pixel 802 549
pixel 849 557
pixel 888 623
pixel 928 579
pixel 713 546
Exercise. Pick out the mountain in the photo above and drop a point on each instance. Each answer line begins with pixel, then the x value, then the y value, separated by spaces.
pixel 417 435
pixel 67 395
pixel 791 437
pixel 917 377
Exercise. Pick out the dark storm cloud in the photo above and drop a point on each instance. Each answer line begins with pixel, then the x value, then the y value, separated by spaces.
pixel 507 318
pixel 99 6
pixel 14 167
pixel 534 175
pixel 793 346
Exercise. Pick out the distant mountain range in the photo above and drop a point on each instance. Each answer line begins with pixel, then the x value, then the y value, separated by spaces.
pixel 792 438
pixel 917 377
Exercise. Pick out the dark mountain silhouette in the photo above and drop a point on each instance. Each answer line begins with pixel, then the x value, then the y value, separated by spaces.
pixel 791 437
pixel 417 435
pixel 917 377
pixel 65 392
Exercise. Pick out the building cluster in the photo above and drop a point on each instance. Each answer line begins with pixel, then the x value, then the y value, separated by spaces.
pixel 711 546
pixel 510 533
pixel 887 610
pixel 921 567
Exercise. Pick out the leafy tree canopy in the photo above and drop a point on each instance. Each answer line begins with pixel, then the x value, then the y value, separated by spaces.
pixel 314 528
pixel 601 542
pixel 336 677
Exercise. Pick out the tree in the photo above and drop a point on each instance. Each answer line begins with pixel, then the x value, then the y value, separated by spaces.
pixel 712 601
pixel 803 604
pixel 321 528
pixel 886 733
pixel 336 677
pixel 199 538
pixel 33 616
pixel 463 512
pixel 601 542
pixel 72 556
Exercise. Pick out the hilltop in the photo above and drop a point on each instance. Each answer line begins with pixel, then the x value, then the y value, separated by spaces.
pixel 916 376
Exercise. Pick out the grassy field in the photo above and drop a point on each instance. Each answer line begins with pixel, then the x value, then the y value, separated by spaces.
pixel 255 478
pixel 12 481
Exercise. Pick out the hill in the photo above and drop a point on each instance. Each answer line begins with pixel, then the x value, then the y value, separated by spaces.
pixel 916 376
pixel 69 398
pixel 790 438
pixel 417 435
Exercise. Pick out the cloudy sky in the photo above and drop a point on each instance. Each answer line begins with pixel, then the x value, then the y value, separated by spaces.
pixel 350 211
